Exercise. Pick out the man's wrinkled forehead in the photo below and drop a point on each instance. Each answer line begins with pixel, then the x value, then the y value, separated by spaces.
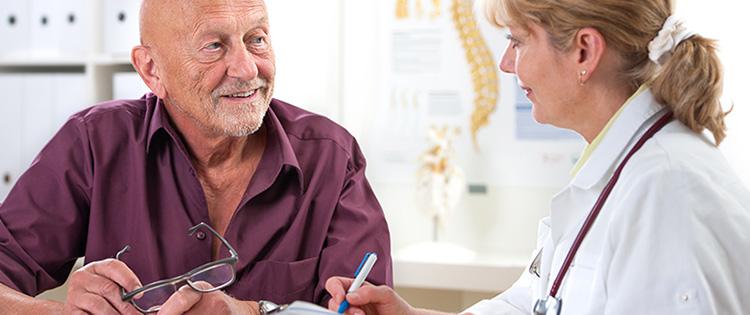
pixel 160 17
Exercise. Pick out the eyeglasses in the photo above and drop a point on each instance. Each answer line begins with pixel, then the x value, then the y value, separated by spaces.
pixel 208 277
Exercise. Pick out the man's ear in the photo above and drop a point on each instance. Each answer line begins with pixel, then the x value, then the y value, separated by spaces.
pixel 589 49
pixel 143 62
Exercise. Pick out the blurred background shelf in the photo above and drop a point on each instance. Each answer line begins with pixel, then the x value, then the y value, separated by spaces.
pixel 19 62
pixel 490 275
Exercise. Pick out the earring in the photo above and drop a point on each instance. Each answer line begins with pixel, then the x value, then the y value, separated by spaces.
pixel 582 74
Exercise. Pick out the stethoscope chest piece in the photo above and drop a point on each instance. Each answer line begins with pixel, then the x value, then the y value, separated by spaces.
pixel 549 305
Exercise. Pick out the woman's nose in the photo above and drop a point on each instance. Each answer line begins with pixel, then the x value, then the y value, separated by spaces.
pixel 507 62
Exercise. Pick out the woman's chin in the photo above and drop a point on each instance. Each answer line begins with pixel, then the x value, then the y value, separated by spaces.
pixel 538 117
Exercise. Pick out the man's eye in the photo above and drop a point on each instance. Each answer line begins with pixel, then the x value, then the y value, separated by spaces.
pixel 213 46
pixel 258 40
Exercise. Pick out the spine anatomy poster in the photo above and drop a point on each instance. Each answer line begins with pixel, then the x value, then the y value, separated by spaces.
pixel 441 88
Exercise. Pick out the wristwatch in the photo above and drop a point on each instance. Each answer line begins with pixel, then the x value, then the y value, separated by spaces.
pixel 268 307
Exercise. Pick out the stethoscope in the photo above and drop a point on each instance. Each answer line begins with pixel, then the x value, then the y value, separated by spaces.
pixel 551 304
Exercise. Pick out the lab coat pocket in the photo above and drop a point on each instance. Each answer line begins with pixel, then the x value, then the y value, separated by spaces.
pixel 288 281
pixel 577 290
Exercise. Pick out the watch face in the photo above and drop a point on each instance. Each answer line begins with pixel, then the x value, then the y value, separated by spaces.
pixel 267 307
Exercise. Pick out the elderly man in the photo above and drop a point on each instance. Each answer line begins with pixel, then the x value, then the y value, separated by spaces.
pixel 284 188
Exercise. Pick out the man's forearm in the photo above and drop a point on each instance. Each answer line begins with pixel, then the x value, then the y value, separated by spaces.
pixel 14 302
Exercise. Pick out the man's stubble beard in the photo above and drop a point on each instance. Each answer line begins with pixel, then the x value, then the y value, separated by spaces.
pixel 232 122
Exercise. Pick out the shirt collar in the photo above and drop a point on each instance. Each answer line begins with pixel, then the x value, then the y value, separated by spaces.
pixel 278 147
pixel 158 120
pixel 613 142
pixel 595 143
pixel 277 154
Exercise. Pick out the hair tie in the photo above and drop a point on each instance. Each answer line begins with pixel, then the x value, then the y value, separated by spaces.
pixel 672 33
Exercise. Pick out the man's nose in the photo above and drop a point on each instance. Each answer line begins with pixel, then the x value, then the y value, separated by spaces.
pixel 241 65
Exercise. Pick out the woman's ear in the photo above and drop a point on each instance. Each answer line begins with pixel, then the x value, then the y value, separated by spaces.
pixel 589 46
pixel 143 62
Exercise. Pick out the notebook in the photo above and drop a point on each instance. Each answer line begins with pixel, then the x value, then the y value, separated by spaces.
pixel 304 308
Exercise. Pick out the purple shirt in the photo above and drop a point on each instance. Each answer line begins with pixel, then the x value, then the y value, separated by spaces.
pixel 118 174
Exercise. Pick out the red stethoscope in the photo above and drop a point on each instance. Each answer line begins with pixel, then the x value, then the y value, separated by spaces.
pixel 551 304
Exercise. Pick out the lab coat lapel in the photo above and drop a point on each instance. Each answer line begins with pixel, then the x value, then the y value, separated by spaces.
pixel 570 207
pixel 546 248
pixel 621 135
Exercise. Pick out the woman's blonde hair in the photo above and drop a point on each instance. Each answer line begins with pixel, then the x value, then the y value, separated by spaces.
pixel 689 82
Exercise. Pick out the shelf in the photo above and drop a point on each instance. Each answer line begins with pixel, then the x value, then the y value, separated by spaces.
pixel 105 60
pixel 482 274
pixel 57 61
pixel 40 62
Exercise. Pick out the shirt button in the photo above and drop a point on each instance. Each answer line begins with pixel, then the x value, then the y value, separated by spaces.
pixel 684 298
pixel 200 235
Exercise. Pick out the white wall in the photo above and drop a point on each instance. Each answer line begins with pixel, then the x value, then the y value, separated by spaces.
pixel 725 21
pixel 306 39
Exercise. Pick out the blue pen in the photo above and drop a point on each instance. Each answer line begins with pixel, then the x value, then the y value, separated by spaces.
pixel 359 277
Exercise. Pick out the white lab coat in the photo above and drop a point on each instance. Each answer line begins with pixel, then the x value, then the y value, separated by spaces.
pixel 673 237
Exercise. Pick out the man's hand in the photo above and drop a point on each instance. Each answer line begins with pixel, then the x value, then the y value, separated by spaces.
pixel 188 301
pixel 368 299
pixel 95 289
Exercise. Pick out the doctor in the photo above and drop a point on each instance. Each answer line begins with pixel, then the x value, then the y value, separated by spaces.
pixel 654 221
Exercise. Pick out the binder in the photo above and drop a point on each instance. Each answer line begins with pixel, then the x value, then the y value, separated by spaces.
pixel 120 18
pixel 37 116
pixel 15 27
pixel 11 86
pixel 70 96
pixel 45 27
pixel 34 108
pixel 75 31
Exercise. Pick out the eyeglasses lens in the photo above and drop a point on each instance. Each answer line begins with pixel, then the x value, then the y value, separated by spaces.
pixel 152 299
pixel 213 278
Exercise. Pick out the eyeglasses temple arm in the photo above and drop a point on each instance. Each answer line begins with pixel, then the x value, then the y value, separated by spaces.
pixel 192 230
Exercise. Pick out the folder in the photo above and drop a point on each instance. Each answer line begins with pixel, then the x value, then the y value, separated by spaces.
pixel 75 30
pixel 11 86
pixel 15 27
pixel 37 116
pixel 45 27
pixel 120 18
pixel 70 96
pixel 128 85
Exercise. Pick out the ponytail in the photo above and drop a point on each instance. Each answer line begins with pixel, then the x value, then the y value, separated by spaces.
pixel 690 83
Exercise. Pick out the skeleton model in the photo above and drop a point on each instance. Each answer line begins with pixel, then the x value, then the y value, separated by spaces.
pixel 440 180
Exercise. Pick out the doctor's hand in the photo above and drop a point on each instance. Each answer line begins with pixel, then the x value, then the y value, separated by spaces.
pixel 368 299
pixel 95 289
pixel 188 301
